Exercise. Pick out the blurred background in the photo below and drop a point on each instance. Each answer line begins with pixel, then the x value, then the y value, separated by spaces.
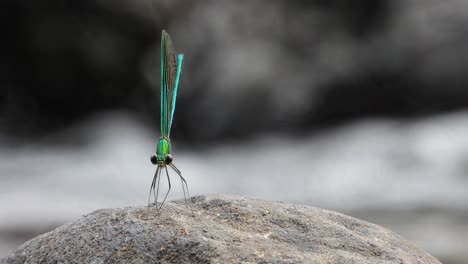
pixel 354 106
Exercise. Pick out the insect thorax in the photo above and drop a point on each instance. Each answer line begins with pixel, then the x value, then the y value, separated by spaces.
pixel 164 148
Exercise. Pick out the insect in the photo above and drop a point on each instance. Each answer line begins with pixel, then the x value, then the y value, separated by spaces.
pixel 171 68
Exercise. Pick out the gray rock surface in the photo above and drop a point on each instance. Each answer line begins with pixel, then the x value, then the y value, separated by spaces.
pixel 222 229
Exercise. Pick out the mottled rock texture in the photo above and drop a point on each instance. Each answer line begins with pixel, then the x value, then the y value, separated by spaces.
pixel 221 229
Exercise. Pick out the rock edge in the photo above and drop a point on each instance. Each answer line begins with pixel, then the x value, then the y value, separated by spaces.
pixel 222 229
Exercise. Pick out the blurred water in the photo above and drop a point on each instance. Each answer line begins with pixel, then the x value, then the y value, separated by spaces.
pixel 408 176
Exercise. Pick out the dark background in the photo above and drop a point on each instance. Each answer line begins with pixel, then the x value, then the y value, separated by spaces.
pixel 290 67
pixel 300 70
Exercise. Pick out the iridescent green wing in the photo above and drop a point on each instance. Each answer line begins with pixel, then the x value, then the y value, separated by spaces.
pixel 171 67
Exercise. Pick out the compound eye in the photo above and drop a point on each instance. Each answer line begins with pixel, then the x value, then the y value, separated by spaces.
pixel 168 159
pixel 154 159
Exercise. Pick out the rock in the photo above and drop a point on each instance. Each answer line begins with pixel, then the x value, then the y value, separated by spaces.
pixel 221 229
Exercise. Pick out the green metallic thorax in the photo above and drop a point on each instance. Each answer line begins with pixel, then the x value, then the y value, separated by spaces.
pixel 164 148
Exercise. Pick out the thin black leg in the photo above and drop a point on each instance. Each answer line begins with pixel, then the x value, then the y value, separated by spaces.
pixel 152 185
pixel 169 181
pixel 184 182
pixel 185 196
pixel 156 194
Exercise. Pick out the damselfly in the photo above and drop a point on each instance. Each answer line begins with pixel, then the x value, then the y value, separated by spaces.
pixel 171 68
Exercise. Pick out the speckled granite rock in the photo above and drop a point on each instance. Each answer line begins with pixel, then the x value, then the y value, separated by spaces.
pixel 223 229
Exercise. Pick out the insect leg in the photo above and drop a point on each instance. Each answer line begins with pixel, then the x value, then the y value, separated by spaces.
pixel 183 182
pixel 152 185
pixel 156 195
pixel 169 181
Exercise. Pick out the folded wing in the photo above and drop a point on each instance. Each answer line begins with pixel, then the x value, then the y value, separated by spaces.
pixel 171 68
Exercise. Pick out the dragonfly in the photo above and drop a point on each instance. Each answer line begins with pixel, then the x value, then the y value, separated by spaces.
pixel 171 68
